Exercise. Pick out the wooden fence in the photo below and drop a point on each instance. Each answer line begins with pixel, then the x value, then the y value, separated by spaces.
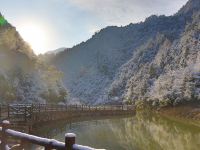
pixel 37 113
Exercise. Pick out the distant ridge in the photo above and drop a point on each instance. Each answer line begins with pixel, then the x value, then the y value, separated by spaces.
pixel 56 51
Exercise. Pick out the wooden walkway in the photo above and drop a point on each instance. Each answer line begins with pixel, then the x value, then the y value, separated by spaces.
pixel 23 116
pixel 27 115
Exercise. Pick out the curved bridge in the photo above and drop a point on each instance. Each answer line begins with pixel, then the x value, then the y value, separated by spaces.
pixel 31 114
pixel 27 115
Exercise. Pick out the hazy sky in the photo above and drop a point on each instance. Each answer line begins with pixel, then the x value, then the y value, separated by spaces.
pixel 64 23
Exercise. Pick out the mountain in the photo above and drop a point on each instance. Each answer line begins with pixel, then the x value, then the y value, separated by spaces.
pixel 23 77
pixel 164 71
pixel 56 51
pixel 190 7
pixel 156 61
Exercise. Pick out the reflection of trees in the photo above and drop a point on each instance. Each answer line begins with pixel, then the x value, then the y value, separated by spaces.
pixel 155 133
pixel 137 133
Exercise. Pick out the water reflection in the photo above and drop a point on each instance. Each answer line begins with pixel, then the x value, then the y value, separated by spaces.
pixel 141 132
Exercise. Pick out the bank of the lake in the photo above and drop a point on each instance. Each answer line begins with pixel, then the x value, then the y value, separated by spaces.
pixel 185 113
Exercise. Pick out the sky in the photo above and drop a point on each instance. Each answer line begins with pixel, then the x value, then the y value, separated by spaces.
pixel 51 24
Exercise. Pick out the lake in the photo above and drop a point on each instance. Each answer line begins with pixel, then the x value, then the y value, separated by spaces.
pixel 140 132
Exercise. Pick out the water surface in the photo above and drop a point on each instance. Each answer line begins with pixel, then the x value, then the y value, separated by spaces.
pixel 140 132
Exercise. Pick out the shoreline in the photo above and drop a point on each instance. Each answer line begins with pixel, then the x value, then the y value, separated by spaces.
pixel 184 113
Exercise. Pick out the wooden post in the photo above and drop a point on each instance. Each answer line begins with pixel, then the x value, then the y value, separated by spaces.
pixel 39 108
pixel 31 112
pixel 65 107
pixel 25 113
pixel 4 138
pixel 8 107
pixel 0 110
pixel 69 107
pixel 69 140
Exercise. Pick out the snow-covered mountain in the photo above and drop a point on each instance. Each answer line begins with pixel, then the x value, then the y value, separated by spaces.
pixel 156 60
pixel 23 77
pixel 166 69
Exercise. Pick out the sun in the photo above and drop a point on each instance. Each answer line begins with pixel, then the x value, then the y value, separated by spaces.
pixel 35 35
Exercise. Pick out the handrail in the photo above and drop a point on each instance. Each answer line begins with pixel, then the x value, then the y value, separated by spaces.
pixel 47 143
pixel 32 111
pixel 28 109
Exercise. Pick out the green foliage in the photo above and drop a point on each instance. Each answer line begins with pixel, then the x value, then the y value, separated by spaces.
pixel 3 21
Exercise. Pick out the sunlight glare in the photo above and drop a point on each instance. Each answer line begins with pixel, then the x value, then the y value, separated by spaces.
pixel 35 35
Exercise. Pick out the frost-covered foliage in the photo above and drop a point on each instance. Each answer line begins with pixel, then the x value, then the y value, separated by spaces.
pixel 165 71
pixel 155 60
pixel 91 66
pixel 23 77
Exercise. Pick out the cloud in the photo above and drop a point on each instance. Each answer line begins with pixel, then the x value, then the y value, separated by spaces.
pixel 122 12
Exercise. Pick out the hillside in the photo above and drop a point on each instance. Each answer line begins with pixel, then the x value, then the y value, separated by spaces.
pixel 164 71
pixel 23 77
pixel 155 60
pixel 56 51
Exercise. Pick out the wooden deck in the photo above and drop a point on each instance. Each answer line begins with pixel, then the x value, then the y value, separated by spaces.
pixel 26 115
pixel 23 116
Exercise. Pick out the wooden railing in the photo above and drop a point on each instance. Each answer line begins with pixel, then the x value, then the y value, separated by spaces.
pixel 26 111
pixel 48 144
pixel 30 113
